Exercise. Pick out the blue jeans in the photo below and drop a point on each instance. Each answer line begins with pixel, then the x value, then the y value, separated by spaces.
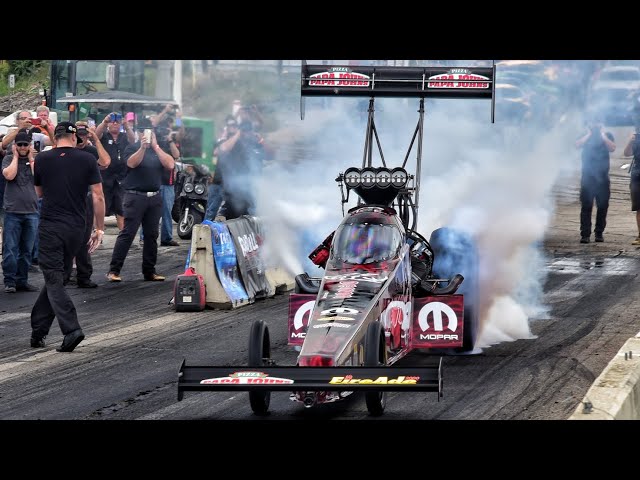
pixel 168 197
pixel 19 234
pixel 214 200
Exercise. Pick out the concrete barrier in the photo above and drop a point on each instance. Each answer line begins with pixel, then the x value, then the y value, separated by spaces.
pixel 202 259
pixel 615 395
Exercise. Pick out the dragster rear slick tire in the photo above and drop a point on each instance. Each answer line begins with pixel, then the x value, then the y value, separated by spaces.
pixel 456 252
pixel 259 354
pixel 375 356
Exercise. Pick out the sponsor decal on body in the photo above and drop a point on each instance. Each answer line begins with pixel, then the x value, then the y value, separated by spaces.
pixel 363 277
pixel 247 378
pixel 458 78
pixel 349 380
pixel 437 322
pixel 332 324
pixel 300 309
pixel 339 77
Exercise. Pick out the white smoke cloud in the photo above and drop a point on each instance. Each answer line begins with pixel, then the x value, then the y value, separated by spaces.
pixel 490 180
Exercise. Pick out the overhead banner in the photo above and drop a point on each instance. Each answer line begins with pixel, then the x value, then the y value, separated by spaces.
pixel 247 234
pixel 225 259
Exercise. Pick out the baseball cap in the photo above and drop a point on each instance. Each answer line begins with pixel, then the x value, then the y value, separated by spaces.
pixel 65 127
pixel 23 136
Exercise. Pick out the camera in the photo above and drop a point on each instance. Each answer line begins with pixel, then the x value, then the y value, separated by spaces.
pixel 162 132
pixel 116 117
pixel 246 126
pixel 36 145
pixel 36 121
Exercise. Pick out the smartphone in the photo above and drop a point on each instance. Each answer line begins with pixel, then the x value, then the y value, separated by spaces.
pixel 118 118
pixel 131 117
pixel 146 136
pixel 36 145
pixel 91 122
pixel 36 121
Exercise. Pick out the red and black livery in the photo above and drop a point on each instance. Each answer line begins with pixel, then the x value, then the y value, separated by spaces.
pixel 386 289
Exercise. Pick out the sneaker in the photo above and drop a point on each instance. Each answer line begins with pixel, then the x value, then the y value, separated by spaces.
pixel 34 269
pixel 584 240
pixel 9 289
pixel 113 277
pixel 27 287
pixel 37 342
pixel 599 238
pixel 170 243
pixel 86 284
pixel 154 277
pixel 636 241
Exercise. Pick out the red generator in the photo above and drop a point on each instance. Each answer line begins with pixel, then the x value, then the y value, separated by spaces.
pixel 189 291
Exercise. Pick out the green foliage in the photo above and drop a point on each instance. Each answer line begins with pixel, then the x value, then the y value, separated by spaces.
pixel 24 68
pixel 31 75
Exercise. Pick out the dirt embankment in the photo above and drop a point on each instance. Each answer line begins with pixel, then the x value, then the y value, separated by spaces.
pixel 19 101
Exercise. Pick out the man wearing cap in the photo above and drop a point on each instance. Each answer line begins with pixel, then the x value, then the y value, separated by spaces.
pixel 61 177
pixel 84 266
pixel 21 214
pixel 23 120
pixel 142 203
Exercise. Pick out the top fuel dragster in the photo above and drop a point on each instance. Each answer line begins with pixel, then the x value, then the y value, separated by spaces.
pixel 386 289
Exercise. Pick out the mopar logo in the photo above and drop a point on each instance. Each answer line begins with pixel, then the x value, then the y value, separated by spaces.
pixel 437 309
pixel 298 319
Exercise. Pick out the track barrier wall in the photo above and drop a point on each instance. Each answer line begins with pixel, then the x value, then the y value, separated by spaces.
pixel 230 257
pixel 615 394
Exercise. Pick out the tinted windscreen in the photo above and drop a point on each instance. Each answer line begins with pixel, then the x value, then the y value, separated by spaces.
pixel 365 243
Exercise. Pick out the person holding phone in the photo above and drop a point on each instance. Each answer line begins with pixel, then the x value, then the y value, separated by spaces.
pixel 146 162
pixel 114 142
pixel 42 113
pixel 24 120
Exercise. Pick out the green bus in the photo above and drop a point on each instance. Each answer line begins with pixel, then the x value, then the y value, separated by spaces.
pixel 158 79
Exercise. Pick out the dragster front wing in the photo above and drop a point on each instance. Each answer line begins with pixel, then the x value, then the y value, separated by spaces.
pixel 426 378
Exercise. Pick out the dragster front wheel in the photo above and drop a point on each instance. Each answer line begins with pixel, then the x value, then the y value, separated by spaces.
pixel 259 355
pixel 375 355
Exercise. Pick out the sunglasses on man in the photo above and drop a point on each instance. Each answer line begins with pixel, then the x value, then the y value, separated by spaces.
pixel 22 144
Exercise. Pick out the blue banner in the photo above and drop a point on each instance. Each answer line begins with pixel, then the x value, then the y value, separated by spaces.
pixel 224 255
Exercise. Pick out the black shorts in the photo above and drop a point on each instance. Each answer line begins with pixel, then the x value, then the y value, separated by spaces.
pixel 113 193
pixel 634 188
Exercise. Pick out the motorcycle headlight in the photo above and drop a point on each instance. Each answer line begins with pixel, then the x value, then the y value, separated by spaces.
pixel 199 188
pixel 188 187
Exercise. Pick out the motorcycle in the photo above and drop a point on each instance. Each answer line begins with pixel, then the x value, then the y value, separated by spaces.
pixel 190 205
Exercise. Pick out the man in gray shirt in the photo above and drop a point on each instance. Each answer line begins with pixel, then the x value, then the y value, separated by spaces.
pixel 21 214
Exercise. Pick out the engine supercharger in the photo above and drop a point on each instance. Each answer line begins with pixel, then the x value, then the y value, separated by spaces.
pixel 189 291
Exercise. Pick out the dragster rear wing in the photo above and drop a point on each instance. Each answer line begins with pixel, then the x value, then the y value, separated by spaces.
pixel 385 81
pixel 293 378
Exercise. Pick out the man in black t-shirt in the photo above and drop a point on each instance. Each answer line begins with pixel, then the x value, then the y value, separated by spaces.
pixel 595 185
pixel 62 176
pixel 142 202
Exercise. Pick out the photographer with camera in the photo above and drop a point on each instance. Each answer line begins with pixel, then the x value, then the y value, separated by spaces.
pixel 595 185
pixel 240 158
pixel 633 148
